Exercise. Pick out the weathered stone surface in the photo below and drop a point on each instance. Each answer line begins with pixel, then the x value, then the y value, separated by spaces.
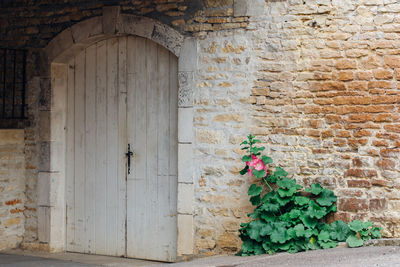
pixel 12 187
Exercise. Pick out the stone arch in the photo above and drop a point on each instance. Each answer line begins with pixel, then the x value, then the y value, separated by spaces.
pixel 51 185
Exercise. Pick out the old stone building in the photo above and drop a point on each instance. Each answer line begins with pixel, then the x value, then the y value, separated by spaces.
pixel 183 82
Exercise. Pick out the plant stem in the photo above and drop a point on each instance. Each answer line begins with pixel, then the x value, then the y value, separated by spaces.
pixel 270 188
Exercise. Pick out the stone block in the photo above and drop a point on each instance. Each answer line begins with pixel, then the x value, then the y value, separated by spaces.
pixel 133 25
pixel 43 189
pixel 11 137
pixel 185 235
pixel 245 8
pixel 186 86
pixel 185 125
pixel 57 156
pixel 59 44
pixel 58 125
pixel 44 125
pixel 185 163
pixel 44 156
pixel 43 214
pixel 188 55
pixel 87 29
pixel 110 19
pixel 45 93
pixel 185 198
pixel 168 37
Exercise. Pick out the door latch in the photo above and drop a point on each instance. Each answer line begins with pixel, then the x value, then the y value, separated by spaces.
pixel 129 154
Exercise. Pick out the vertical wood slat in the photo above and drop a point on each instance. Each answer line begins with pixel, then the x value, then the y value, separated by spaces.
pixel 101 149
pixel 112 191
pixel 70 173
pixel 152 149
pixel 122 141
pixel 163 189
pixel 137 135
pixel 80 234
pixel 90 157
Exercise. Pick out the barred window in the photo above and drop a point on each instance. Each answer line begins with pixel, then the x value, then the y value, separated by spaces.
pixel 12 83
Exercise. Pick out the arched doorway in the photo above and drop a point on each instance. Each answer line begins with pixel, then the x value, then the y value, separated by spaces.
pixel 122 96
pixel 53 216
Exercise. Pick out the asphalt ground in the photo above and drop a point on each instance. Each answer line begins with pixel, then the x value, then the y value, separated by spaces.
pixel 343 257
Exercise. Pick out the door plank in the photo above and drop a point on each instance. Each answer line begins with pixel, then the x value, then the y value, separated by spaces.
pixel 137 135
pixel 112 225
pixel 101 149
pixel 163 189
pixel 70 163
pixel 90 144
pixel 122 141
pixel 80 236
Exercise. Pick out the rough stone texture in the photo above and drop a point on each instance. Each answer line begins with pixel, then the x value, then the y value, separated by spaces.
pixel 12 187
pixel 316 80
pixel 32 25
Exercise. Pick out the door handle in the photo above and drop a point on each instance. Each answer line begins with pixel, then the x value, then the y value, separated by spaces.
pixel 129 154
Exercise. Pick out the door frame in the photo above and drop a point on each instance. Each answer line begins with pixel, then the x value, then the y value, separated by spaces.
pixel 52 118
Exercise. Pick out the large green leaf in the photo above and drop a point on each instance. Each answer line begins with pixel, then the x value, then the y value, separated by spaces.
pixel 323 235
pixel 272 207
pixel 294 213
pixel 316 211
pixel 315 189
pixel 300 231
pixel 326 197
pixel 354 242
pixel 286 183
pixel 266 229
pixel 254 190
pixel 254 229
pixel 244 170
pixel 367 225
pixel 246 158
pixel 268 216
pixel 287 192
pixel 279 235
pixel 250 247
pixel 255 200
pixel 340 231
pixel 259 174
pixel 279 172
pixel 356 225
pixel 376 232
pixel 301 201
pixel 308 221
pixel 328 244
pixel 266 160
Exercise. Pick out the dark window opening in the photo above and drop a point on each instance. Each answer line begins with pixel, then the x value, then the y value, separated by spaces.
pixel 12 84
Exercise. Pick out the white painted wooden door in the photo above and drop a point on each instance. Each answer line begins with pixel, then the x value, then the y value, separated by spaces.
pixel 122 91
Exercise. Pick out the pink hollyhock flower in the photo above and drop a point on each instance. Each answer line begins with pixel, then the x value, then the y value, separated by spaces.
pixel 252 163
pixel 250 171
pixel 258 164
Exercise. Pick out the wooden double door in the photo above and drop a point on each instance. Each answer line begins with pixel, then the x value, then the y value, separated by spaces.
pixel 122 91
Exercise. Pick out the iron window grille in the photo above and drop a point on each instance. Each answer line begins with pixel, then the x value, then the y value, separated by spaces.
pixel 12 83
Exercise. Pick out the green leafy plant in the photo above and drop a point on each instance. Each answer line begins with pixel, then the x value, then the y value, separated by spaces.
pixel 288 218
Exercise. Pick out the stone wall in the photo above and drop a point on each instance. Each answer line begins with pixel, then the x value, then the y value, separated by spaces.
pixel 32 25
pixel 12 186
pixel 321 80
pixel 326 101
pixel 316 80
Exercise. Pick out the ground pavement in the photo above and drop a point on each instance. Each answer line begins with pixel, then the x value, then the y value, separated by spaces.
pixel 344 257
